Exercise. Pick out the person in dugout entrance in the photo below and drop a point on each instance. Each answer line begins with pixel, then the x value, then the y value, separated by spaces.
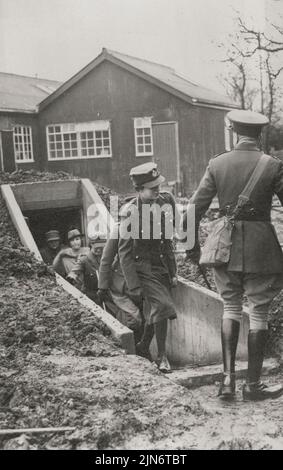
pixel 52 248
pixel 147 257
pixel 67 258
pixel 255 267
pixel 85 272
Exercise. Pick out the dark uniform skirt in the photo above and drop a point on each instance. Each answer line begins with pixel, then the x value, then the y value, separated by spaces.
pixel 158 304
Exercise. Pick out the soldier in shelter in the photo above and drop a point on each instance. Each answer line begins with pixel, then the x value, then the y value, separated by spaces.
pixel 52 247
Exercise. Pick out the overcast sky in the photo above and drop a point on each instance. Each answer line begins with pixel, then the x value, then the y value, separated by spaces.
pixel 56 38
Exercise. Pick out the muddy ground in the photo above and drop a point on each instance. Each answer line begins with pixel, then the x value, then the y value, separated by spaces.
pixel 60 367
pixel 123 402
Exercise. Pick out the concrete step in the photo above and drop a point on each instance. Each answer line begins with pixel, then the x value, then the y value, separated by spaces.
pixel 192 377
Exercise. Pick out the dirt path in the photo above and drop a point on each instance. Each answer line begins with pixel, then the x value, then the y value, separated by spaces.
pixel 124 402
pixel 242 425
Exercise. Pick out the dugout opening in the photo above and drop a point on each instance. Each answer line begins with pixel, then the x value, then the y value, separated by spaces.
pixel 63 220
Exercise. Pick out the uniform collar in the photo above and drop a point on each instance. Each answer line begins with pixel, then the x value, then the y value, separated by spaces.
pixel 247 143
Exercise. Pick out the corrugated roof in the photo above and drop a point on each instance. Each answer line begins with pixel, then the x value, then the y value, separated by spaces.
pixel 168 76
pixel 19 93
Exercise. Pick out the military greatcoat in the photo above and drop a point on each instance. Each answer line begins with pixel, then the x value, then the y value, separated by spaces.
pixel 149 264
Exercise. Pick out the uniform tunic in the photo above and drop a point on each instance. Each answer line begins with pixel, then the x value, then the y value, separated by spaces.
pixel 255 247
pixel 86 269
pixel 149 264
pixel 256 263
pixel 111 277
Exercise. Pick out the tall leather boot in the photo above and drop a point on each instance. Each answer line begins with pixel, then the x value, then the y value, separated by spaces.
pixel 254 389
pixel 229 336
pixel 160 329
pixel 142 348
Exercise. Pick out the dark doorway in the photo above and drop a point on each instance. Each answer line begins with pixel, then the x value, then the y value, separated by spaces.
pixel 8 153
pixel 41 221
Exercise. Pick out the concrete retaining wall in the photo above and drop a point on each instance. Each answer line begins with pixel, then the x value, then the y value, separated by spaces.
pixel 194 338
pixel 48 194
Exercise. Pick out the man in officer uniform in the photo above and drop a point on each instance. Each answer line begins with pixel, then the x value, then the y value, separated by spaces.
pixel 147 258
pixel 256 262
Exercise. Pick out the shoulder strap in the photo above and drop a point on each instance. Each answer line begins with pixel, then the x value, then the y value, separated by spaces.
pixel 256 175
pixel 243 199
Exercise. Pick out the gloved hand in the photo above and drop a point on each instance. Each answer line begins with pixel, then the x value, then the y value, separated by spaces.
pixel 102 295
pixel 72 278
pixel 194 254
pixel 174 281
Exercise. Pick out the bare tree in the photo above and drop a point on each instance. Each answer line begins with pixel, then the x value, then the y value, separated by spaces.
pixel 251 51
pixel 236 84
pixel 252 69
pixel 271 81
pixel 267 48
pixel 261 40
pixel 238 80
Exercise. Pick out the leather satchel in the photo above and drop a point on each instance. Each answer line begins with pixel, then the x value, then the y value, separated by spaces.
pixel 217 247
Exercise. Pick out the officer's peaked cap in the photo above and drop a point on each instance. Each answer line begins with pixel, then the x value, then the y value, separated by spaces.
pixel 247 118
pixel 146 175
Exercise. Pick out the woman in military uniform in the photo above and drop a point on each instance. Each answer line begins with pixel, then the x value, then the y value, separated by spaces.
pixel 113 288
pixel 146 255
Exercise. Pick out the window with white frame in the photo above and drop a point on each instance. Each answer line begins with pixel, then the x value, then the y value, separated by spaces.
pixel 23 144
pixel 143 136
pixel 83 140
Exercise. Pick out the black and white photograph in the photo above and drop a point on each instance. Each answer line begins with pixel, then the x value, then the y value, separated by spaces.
pixel 141 228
